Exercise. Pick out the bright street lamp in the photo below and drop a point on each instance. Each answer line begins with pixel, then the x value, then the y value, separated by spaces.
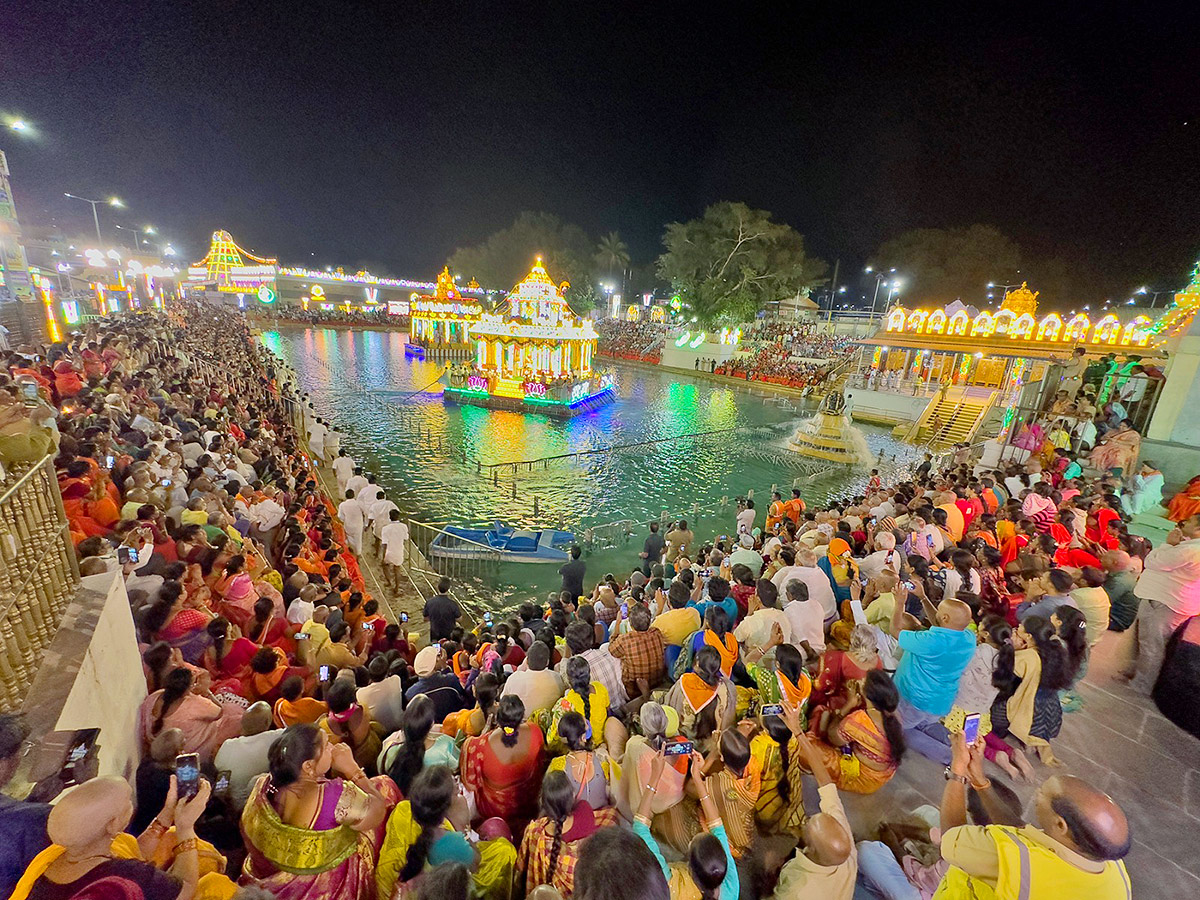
pixel 1143 290
pixel 18 125
pixel 111 201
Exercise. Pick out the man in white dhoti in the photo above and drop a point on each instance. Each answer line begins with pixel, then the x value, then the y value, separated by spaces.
pixel 394 538
pixel 354 518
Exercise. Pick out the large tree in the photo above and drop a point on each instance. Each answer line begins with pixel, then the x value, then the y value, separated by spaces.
pixel 731 262
pixel 612 254
pixel 506 256
pixel 938 265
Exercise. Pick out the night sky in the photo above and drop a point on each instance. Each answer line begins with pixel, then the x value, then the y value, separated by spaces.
pixel 348 134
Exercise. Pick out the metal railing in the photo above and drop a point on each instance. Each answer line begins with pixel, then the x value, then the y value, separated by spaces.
pixel 432 553
pixel 38 573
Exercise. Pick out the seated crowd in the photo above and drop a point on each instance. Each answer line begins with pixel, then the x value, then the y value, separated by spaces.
pixel 687 729
pixel 620 339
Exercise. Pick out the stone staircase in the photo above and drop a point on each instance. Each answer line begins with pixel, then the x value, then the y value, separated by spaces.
pixel 1152 525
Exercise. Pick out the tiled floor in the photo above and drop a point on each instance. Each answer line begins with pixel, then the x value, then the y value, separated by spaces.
pixel 1120 743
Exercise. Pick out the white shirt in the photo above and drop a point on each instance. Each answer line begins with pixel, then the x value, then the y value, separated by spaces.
pixel 385 699
pixel 380 515
pixel 300 611
pixel 368 495
pixel 954 584
pixel 356 483
pixel 874 563
pixel 352 515
pixel 1172 577
pixel 755 630
pixel 745 520
pixel 537 690
pixel 819 588
pixel 394 536
pixel 807 620
pixel 266 514
pixel 343 468
pixel 245 758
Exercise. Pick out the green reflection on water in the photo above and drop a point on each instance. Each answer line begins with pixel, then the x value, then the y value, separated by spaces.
pixel 418 457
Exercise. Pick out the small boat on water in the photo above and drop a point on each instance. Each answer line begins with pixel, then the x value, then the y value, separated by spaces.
pixel 512 544
pixel 414 350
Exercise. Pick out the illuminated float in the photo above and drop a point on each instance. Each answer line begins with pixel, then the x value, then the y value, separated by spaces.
pixel 440 321
pixel 534 355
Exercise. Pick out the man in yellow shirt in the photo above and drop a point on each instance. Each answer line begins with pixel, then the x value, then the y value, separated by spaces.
pixel 680 620
pixel 1074 850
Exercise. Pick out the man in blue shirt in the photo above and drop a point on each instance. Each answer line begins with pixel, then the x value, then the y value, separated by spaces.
pixel 929 671
pixel 716 594
pixel 1061 584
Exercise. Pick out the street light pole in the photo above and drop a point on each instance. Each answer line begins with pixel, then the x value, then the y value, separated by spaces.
pixel 95 215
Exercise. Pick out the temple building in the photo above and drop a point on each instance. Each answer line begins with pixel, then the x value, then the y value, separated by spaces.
pixel 440 321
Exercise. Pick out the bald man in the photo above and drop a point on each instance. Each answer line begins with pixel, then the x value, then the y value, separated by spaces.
pixel 1073 848
pixel 826 863
pixel 87 820
pixel 245 757
pixel 929 671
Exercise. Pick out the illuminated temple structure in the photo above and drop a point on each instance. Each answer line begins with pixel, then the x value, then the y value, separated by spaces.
pixel 995 363
pixel 441 320
pixel 532 355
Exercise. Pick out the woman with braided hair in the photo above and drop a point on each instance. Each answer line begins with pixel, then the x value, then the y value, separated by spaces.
pixel 503 766
pixel 587 697
pixel 550 848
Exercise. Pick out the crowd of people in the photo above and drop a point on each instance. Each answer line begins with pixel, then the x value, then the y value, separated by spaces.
pixel 686 728
pixel 787 354
pixel 640 341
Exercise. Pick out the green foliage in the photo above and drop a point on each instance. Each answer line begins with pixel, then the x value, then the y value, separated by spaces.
pixel 938 265
pixel 732 261
pixel 612 254
pixel 506 256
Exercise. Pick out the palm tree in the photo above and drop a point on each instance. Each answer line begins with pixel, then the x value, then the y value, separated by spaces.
pixel 612 252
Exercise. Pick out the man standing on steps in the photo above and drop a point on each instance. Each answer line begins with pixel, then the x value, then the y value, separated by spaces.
pixel 378 514
pixel 357 481
pixel 343 468
pixel 652 549
pixel 316 439
pixel 394 538
pixel 572 573
pixel 353 517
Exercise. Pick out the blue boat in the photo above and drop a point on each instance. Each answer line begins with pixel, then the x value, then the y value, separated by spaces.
pixel 414 350
pixel 511 544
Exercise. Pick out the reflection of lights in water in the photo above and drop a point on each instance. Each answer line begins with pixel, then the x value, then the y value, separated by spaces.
pixel 434 485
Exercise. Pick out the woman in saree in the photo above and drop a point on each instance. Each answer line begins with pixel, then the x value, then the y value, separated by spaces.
pixel 228 661
pixel 314 824
pixel 422 834
pixel 704 699
pixel 416 745
pixel 1118 450
pixel 656 721
pixel 269 669
pixel 269 629
pixel 867 726
pixel 1038 507
pixel 191 707
pixel 841 671
pixel 235 587
pixel 1145 490
pixel 172 618
pixel 839 568
pixel 88 506
pixel 350 723
pixel 504 765
pixel 994 596
pixel 1097 530
pixel 583 696
pixel 551 843
pixel 1033 714
pixel 1186 503
pixel 718 634
pixel 780 805
pixel 591 773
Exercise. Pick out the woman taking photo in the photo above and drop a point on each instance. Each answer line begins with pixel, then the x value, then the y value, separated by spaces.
pixel 705 700
pixel 503 766
pixel 172 618
pixel 313 825
pixel 229 661
pixel 1033 714
pixel 191 708
pixel 710 868
pixel 351 724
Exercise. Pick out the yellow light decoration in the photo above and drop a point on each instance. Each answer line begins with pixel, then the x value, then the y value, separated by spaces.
pixel 1077 329
pixel 916 320
pixel 1107 330
pixel 983 326
pixel 1137 332
pixel 1050 328
pixel 936 323
pixel 658 314
pixel 958 324
pixel 1022 327
pixel 633 313
pixel 1004 320
pixel 895 319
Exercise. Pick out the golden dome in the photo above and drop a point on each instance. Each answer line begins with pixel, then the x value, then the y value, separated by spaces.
pixel 1021 301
